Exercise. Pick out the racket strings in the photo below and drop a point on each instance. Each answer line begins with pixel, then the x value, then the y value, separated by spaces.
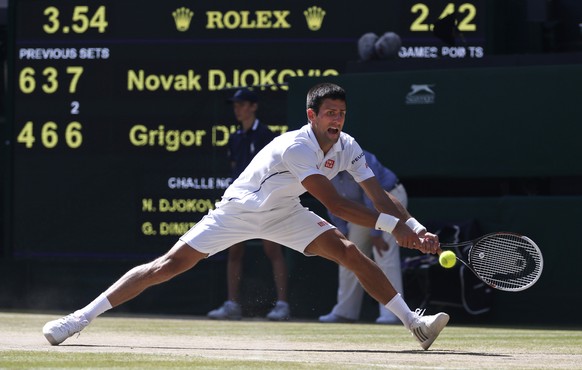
pixel 506 261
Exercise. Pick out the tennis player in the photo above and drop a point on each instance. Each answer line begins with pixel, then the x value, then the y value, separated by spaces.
pixel 263 203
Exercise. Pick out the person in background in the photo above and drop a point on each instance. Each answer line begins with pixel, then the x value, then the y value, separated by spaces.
pixel 247 141
pixel 381 245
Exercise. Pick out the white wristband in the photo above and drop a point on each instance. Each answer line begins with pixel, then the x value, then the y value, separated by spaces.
pixel 415 225
pixel 386 222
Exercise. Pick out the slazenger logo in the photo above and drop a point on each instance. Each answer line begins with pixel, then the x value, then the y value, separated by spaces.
pixel 420 94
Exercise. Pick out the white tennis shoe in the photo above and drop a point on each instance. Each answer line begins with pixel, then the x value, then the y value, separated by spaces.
pixel 228 311
pixel 57 331
pixel 280 312
pixel 427 328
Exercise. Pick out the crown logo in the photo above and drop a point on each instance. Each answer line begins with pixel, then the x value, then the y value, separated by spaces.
pixel 182 17
pixel 314 17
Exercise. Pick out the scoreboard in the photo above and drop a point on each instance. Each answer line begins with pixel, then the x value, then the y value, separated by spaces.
pixel 118 121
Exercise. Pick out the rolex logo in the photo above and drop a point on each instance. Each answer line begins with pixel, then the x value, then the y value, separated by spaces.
pixel 314 17
pixel 182 17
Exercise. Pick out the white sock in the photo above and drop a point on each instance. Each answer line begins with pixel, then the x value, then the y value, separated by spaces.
pixel 95 308
pixel 400 309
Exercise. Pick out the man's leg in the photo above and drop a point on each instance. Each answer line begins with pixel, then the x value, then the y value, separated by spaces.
pixel 389 263
pixel 178 259
pixel 350 293
pixel 335 247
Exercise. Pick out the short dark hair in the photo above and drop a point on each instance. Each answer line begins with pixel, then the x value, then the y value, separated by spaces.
pixel 322 91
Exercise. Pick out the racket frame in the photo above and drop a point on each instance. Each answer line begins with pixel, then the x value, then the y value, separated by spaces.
pixel 472 243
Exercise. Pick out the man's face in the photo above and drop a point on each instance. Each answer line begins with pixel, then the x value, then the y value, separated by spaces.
pixel 244 110
pixel 328 123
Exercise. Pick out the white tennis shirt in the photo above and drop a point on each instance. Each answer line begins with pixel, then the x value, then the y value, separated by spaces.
pixel 273 178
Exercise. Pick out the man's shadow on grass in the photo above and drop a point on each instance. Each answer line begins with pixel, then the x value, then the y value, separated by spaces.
pixel 415 352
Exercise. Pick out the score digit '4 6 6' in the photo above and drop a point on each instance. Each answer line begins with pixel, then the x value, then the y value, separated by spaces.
pixel 49 135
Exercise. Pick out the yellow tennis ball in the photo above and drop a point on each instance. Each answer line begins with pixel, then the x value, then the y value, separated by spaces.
pixel 447 259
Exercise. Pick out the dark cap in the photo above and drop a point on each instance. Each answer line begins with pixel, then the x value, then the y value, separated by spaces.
pixel 244 95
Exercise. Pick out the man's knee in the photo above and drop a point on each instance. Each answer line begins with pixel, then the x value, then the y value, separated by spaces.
pixel 176 261
pixel 350 256
pixel 161 269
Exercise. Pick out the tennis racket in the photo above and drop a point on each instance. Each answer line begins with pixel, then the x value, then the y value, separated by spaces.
pixel 503 260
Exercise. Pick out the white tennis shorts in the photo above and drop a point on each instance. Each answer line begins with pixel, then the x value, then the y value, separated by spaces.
pixel 294 227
